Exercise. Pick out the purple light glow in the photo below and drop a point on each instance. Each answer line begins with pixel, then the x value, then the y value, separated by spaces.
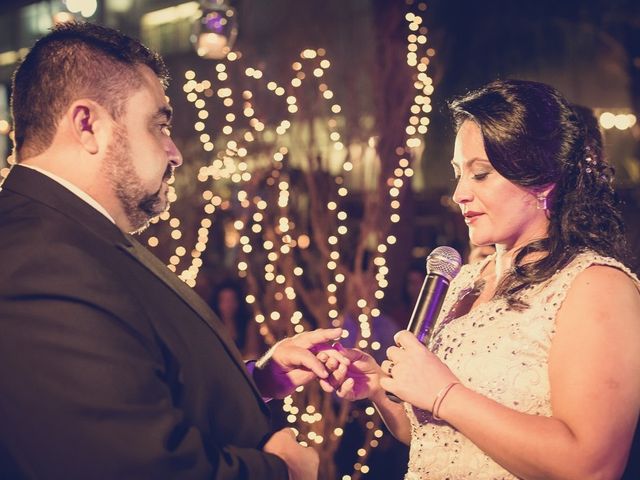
pixel 215 23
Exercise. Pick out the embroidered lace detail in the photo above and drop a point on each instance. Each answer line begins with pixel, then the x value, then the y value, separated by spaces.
pixel 499 353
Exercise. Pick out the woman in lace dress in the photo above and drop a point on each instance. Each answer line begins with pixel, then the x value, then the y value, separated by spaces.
pixel 533 367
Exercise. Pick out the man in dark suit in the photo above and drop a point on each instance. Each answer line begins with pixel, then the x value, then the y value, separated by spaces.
pixel 110 367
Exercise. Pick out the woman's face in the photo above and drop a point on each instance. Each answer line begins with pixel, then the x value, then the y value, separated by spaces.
pixel 496 210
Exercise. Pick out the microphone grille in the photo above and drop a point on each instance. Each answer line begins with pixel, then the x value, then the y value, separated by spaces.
pixel 444 261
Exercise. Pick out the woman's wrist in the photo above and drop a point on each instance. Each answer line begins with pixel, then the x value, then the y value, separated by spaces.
pixel 448 402
pixel 378 395
pixel 440 398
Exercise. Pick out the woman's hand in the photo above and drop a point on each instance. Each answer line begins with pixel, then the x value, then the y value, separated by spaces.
pixel 413 373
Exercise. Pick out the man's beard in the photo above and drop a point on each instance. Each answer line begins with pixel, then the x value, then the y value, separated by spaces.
pixel 138 205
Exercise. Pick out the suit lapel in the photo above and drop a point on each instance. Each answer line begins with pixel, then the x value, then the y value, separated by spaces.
pixel 153 264
pixel 189 297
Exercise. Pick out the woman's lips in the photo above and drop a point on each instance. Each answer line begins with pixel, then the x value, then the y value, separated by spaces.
pixel 471 217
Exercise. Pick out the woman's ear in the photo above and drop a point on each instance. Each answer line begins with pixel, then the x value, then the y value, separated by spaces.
pixel 542 194
pixel 548 189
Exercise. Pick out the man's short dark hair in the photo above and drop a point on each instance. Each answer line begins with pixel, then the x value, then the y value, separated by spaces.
pixel 75 60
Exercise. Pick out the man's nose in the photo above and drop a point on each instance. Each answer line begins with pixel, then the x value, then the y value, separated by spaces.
pixel 175 157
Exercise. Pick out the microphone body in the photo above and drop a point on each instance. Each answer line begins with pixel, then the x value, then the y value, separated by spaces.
pixel 442 265
pixel 434 288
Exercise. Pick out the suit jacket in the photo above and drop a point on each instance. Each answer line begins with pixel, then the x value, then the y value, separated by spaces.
pixel 111 367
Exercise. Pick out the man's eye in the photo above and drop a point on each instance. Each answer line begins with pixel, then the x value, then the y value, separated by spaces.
pixel 480 176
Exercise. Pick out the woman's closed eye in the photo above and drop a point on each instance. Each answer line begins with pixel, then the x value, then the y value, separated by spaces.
pixel 480 176
pixel 476 176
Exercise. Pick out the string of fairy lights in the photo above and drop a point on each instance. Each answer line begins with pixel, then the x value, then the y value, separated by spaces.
pixel 232 163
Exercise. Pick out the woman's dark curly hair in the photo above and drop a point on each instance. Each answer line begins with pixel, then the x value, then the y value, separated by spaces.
pixel 535 138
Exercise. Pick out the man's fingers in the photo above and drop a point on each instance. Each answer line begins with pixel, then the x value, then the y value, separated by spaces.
pixel 300 357
pixel 338 355
pixel 316 337
pixel 331 364
pixel 332 360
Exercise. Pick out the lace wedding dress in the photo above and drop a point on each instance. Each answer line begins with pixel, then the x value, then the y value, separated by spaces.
pixel 498 352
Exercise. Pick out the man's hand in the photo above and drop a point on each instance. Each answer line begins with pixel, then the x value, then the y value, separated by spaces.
pixel 360 380
pixel 302 462
pixel 292 362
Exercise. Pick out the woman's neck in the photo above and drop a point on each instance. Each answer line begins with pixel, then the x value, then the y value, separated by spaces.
pixel 503 261
pixel 505 257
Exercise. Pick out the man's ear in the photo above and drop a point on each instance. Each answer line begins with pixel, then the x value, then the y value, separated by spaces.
pixel 84 116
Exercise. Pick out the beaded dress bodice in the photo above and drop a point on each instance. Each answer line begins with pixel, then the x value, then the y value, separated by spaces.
pixel 498 352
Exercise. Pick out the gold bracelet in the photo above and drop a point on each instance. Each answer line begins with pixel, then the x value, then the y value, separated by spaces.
pixel 439 398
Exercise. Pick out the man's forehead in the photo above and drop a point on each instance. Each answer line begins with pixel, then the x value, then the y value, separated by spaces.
pixel 149 78
pixel 150 96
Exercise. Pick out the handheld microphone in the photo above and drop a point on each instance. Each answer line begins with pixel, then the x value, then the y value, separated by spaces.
pixel 443 263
